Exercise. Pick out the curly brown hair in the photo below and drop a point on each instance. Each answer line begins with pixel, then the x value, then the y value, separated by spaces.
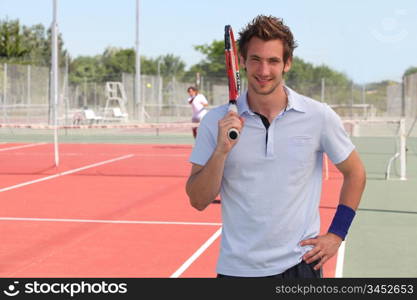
pixel 192 88
pixel 267 28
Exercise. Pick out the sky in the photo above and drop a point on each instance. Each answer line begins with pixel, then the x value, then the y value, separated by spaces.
pixel 368 40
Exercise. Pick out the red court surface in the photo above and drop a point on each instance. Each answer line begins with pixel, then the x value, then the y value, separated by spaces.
pixel 110 211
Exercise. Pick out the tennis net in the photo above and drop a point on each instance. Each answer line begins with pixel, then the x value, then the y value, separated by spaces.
pixel 152 149
pixel 384 145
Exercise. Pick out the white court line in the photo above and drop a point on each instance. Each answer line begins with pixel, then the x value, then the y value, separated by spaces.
pixel 193 257
pixel 108 221
pixel 136 154
pixel 104 154
pixel 20 147
pixel 65 173
pixel 340 260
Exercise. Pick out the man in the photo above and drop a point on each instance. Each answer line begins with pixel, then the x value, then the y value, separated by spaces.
pixel 198 103
pixel 270 178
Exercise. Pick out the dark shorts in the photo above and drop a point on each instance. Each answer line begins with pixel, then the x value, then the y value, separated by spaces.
pixel 195 120
pixel 302 270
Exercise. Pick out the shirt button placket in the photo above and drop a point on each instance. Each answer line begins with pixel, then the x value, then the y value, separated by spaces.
pixel 270 143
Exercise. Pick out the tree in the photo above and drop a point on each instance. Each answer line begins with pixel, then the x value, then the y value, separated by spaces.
pixel 148 66
pixel 12 46
pixel 47 50
pixel 410 70
pixel 34 39
pixel 116 61
pixel 213 65
pixel 28 45
pixel 307 79
pixel 110 65
pixel 170 65
pixel 86 68
pixel 300 72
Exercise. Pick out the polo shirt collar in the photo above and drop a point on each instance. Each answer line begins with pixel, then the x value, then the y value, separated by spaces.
pixel 242 104
pixel 295 102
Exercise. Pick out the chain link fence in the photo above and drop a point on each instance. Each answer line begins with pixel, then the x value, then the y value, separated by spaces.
pixel 24 95
pixel 402 101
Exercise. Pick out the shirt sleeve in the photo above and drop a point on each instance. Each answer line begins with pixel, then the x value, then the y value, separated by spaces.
pixel 203 99
pixel 334 140
pixel 205 143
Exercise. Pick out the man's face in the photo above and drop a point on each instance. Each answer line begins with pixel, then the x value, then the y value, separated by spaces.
pixel 265 65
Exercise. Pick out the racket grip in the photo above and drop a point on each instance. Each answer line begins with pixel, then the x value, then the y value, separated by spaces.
pixel 233 133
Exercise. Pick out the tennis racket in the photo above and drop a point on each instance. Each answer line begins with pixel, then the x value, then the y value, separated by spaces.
pixel 232 70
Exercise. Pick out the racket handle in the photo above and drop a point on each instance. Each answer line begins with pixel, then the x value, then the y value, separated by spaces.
pixel 233 133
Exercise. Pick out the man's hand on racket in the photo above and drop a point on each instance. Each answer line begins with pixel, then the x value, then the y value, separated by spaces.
pixel 230 120
pixel 324 247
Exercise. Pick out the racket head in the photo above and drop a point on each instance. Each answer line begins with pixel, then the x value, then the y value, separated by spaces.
pixel 232 63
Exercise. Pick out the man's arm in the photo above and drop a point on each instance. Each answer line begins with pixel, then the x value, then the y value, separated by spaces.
pixel 204 101
pixel 354 179
pixel 204 183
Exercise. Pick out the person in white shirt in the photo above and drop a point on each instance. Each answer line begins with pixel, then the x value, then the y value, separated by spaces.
pixel 198 103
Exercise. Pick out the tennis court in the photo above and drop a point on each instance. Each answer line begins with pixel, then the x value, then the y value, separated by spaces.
pixel 383 238
pixel 111 209
pixel 105 196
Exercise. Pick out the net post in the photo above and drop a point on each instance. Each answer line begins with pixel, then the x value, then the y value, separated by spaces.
pixel 54 83
pixel 139 104
pixel 355 129
pixel 403 151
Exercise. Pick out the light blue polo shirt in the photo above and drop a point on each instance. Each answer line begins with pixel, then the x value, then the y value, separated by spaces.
pixel 271 191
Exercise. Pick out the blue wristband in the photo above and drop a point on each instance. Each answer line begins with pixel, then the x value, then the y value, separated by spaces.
pixel 342 220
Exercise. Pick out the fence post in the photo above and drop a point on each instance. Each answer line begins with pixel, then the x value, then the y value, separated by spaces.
pixel 29 95
pixel 322 89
